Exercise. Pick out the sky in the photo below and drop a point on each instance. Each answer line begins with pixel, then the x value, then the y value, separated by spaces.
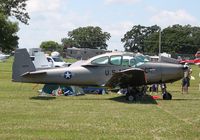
pixel 53 19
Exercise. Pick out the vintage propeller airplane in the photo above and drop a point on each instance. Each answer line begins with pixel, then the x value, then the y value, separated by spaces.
pixel 115 69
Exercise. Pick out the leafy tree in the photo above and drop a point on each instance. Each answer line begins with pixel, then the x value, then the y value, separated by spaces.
pixel 16 8
pixel 174 39
pixel 181 39
pixel 50 46
pixel 195 38
pixel 87 37
pixel 151 44
pixel 135 38
pixel 8 36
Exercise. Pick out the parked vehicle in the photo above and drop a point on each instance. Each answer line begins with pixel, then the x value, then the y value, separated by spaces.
pixel 197 55
pixel 57 62
pixel 52 62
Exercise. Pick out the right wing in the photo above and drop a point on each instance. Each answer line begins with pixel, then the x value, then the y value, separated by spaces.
pixel 129 77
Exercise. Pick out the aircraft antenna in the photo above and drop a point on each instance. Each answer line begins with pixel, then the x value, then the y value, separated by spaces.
pixel 159 44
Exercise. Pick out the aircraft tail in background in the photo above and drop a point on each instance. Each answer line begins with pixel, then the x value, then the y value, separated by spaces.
pixel 41 61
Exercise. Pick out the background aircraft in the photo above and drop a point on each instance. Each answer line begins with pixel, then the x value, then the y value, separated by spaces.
pixel 40 61
pixel 3 57
pixel 111 70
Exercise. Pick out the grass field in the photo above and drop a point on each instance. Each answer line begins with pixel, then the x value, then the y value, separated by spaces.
pixel 24 115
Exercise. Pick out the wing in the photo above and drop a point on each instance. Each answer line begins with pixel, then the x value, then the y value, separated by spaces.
pixel 129 77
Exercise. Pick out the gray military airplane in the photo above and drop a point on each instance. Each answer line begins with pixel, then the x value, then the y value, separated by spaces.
pixel 116 69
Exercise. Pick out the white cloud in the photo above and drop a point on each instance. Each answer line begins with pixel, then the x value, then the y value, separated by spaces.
pixel 165 18
pixel 151 9
pixel 121 1
pixel 43 5
pixel 51 25
pixel 117 32
pixel 119 29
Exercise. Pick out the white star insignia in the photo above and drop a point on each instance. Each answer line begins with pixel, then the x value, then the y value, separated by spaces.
pixel 68 75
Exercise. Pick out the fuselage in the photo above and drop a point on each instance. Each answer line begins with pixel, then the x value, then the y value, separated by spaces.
pixel 99 75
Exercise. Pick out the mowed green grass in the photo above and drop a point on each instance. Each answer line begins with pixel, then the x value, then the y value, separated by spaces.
pixel 24 115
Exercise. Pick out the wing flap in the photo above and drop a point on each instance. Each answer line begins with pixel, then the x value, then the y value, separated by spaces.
pixel 129 77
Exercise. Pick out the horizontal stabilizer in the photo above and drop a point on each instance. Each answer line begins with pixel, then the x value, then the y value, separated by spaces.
pixel 126 78
pixel 34 73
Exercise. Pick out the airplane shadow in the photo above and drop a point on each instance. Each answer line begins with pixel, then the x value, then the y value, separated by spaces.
pixel 42 98
pixel 189 99
pixel 147 99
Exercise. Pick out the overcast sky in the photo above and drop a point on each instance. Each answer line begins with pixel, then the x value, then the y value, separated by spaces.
pixel 52 19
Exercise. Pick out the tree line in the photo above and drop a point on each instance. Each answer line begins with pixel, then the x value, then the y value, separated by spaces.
pixel 177 38
pixel 174 39
pixel 145 39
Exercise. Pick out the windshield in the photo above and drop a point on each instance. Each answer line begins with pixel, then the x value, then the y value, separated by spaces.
pixel 116 60
pixel 135 61
pixel 57 59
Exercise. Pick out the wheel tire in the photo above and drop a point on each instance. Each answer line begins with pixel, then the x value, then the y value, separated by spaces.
pixel 131 98
pixel 167 96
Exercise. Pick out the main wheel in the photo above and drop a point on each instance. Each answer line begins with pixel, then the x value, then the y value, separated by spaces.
pixel 131 98
pixel 167 96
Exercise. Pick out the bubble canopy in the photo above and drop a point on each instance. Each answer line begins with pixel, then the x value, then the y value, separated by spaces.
pixel 119 58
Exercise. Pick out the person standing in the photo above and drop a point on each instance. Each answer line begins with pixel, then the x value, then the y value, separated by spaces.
pixel 199 80
pixel 184 85
pixel 186 81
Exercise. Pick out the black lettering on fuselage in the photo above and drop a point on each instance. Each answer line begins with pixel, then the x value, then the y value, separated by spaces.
pixel 149 70
pixel 107 72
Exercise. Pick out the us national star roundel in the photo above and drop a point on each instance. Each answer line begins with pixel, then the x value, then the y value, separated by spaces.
pixel 67 75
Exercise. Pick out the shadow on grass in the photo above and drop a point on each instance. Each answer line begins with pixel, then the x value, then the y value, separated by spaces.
pixel 185 99
pixel 182 99
pixel 147 99
pixel 42 98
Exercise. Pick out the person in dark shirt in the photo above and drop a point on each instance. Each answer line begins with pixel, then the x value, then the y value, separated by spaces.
pixel 185 84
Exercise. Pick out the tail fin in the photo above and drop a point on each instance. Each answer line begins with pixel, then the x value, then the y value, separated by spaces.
pixel 22 64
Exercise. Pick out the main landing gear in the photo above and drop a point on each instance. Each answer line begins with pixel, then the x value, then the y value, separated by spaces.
pixel 135 93
pixel 167 96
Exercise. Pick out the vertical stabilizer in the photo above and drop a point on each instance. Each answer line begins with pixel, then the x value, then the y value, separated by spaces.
pixel 22 64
